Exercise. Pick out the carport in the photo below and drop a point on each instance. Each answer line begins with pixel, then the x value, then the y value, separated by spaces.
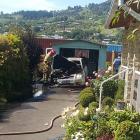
pixel 94 53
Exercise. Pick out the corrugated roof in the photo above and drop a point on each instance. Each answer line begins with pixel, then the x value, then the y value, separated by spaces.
pixel 114 47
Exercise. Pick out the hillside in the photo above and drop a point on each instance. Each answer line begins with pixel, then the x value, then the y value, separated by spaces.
pixel 74 22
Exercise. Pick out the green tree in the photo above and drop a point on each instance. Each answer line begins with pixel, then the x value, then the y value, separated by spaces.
pixel 14 70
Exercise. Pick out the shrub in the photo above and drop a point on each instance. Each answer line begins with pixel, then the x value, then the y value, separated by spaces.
pixel 86 98
pixel 84 114
pixel 110 88
pixel 88 89
pixel 135 117
pixel 92 108
pixel 120 116
pixel 108 101
pixel 15 78
pixel 120 90
pixel 93 105
pixel 127 130
pixel 71 125
pixel 103 129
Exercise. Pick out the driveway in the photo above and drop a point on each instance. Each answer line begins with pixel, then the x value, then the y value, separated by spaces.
pixel 36 114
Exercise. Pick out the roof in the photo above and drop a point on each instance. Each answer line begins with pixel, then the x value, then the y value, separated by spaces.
pixel 114 47
pixel 84 41
pixel 123 21
pixel 49 42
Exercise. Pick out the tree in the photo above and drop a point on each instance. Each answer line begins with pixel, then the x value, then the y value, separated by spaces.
pixel 27 35
pixel 14 71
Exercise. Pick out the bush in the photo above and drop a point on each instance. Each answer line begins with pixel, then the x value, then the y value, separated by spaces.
pixel 84 114
pixel 120 91
pixel 15 78
pixel 103 129
pixel 92 108
pixel 127 130
pixel 110 88
pixel 93 105
pixel 88 89
pixel 108 101
pixel 120 116
pixel 86 98
pixel 72 125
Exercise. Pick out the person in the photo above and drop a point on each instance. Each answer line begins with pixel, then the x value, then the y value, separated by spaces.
pixel 117 63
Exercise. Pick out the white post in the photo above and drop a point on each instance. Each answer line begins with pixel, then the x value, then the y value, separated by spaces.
pixel 132 82
pixel 126 80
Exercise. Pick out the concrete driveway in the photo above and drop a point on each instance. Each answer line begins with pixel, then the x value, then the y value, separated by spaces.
pixel 34 114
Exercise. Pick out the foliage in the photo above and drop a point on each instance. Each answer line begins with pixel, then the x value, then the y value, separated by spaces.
pixel 120 90
pixel 14 71
pixel 108 101
pixel 74 22
pixel 103 128
pixel 120 116
pixel 72 125
pixel 92 108
pixel 84 114
pixel 132 36
pixel 86 96
pixel 102 125
pixel 109 88
pixel 93 105
pixel 127 130
pixel 27 36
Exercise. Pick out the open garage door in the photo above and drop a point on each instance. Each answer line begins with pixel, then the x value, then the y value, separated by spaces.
pixel 91 57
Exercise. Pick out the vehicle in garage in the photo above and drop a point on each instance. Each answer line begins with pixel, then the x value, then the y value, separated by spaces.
pixel 68 71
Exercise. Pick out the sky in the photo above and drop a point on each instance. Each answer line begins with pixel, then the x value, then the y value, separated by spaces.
pixel 9 6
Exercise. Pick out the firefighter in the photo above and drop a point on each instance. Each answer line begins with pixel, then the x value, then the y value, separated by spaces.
pixel 47 64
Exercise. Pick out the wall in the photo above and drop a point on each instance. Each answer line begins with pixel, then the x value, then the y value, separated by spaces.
pixel 131 46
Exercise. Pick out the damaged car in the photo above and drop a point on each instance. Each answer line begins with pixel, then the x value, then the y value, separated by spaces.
pixel 68 71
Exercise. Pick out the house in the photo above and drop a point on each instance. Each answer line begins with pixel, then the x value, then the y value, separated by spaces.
pixel 94 53
pixel 125 14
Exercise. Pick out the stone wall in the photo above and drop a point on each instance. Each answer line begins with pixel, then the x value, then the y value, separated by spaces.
pixel 132 46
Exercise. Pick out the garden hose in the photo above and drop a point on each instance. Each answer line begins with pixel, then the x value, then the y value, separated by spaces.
pixel 35 132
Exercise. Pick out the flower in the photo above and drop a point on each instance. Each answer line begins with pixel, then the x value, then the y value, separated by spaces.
pixel 96 74
pixel 75 113
pixel 86 111
pixel 87 84
pixel 109 68
pixel 78 136
pixel 107 71
pixel 70 123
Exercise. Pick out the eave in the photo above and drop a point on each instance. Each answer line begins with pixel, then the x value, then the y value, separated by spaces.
pixel 123 21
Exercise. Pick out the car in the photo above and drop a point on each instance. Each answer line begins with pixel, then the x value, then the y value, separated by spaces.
pixel 68 71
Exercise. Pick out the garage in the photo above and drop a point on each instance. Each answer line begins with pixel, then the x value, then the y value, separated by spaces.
pixel 94 54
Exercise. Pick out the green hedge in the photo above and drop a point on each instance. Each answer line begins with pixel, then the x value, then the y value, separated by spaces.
pixel 15 83
pixel 87 96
